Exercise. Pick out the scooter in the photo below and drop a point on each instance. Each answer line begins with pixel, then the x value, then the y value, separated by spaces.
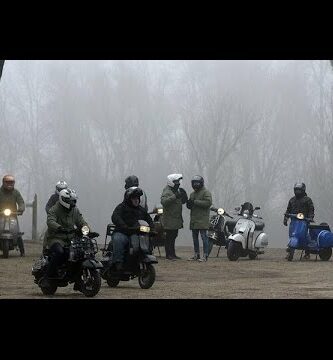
pixel 138 259
pixel 317 239
pixel 248 238
pixel 220 228
pixel 158 240
pixel 10 236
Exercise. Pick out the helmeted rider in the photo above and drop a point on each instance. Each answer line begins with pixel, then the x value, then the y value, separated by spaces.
pixel 61 221
pixel 133 181
pixel 11 198
pixel 126 218
pixel 199 203
pixel 300 203
pixel 172 199
pixel 55 196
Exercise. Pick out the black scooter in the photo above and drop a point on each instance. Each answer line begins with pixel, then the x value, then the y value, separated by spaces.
pixel 138 259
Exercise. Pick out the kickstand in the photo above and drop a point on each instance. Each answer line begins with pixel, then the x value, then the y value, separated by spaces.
pixel 158 248
pixel 300 259
pixel 218 251
pixel 316 256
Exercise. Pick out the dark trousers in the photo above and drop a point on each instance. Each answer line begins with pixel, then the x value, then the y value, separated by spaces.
pixel 58 255
pixel 170 239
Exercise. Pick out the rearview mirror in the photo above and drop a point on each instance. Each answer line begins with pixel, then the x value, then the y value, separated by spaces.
pixel 257 208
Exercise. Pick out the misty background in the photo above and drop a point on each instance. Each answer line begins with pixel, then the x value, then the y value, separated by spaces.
pixel 250 128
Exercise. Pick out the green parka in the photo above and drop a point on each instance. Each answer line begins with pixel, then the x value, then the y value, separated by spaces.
pixel 200 210
pixel 172 218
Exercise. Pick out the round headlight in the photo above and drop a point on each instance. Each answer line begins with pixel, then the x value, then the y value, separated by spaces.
pixel 85 230
pixel 7 212
pixel 300 216
pixel 159 211
pixel 220 211
pixel 145 229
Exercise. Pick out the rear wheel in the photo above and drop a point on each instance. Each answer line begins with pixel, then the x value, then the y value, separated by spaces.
pixel 92 282
pixel 5 248
pixel 147 277
pixel 234 250
pixel 325 254
pixel 253 255
pixel 49 290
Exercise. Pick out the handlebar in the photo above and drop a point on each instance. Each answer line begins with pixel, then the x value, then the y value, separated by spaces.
pixel 295 216
pixel 11 213
pixel 225 213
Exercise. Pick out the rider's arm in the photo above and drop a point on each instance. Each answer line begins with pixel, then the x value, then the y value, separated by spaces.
pixel 148 219
pixel 79 220
pixel 311 209
pixel 167 197
pixel 288 211
pixel 206 202
pixel 117 217
pixel 20 202
pixel 52 220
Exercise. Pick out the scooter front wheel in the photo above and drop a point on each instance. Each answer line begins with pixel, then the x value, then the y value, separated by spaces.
pixel 234 250
pixel 253 255
pixel 147 277
pixel 325 254
pixel 112 282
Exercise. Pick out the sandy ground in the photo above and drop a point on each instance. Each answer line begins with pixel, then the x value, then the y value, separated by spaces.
pixel 269 277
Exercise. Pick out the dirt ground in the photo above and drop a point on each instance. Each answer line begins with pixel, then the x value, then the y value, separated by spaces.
pixel 270 277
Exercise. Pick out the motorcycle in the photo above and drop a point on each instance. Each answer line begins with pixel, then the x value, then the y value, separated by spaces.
pixel 317 239
pixel 248 238
pixel 220 228
pixel 158 240
pixel 10 236
pixel 81 266
pixel 138 259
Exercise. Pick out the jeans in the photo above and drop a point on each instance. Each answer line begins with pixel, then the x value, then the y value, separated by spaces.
pixel 170 240
pixel 58 255
pixel 119 242
pixel 204 237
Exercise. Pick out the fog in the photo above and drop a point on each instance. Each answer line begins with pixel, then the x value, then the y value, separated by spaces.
pixel 250 128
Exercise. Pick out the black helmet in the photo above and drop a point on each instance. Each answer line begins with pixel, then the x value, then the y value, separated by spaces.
pixel 130 181
pixel 299 189
pixel 133 192
pixel 197 182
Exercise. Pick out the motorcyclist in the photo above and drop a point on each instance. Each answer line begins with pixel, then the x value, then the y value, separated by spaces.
pixel 11 198
pixel 133 181
pixel 300 203
pixel 126 218
pixel 55 196
pixel 199 203
pixel 52 200
pixel 61 221
pixel 172 199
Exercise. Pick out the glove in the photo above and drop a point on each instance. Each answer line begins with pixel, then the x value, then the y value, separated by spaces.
pixel 63 230
pixel 189 203
pixel 285 221
pixel 184 195
pixel 178 195
pixel 19 212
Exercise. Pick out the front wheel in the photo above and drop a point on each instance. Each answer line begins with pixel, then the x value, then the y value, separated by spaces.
pixel 147 277
pixel 91 283
pixel 5 248
pixel 325 254
pixel 234 250
pixel 49 290
pixel 112 282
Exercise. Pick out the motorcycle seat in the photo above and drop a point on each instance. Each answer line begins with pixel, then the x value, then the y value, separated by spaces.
pixel 259 226
pixel 319 227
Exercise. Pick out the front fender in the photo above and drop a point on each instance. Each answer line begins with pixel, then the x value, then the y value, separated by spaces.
pixel 150 259
pixel 238 238
pixel 92 264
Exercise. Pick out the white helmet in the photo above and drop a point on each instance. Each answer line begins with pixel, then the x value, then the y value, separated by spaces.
pixel 60 186
pixel 68 198
pixel 174 179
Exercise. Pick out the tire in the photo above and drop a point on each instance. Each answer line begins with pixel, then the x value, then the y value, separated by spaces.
pixel 147 277
pixel 50 290
pixel 325 254
pixel 253 255
pixel 210 245
pixel 234 250
pixel 112 282
pixel 5 248
pixel 93 284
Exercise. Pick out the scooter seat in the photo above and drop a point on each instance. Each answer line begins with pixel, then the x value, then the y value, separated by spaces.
pixel 259 226
pixel 319 227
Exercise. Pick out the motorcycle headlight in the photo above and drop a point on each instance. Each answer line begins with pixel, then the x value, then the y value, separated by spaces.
pixel 145 229
pixel 159 211
pixel 85 230
pixel 300 216
pixel 220 211
pixel 7 212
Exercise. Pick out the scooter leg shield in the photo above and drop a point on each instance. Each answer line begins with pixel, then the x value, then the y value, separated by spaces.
pixel 294 242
